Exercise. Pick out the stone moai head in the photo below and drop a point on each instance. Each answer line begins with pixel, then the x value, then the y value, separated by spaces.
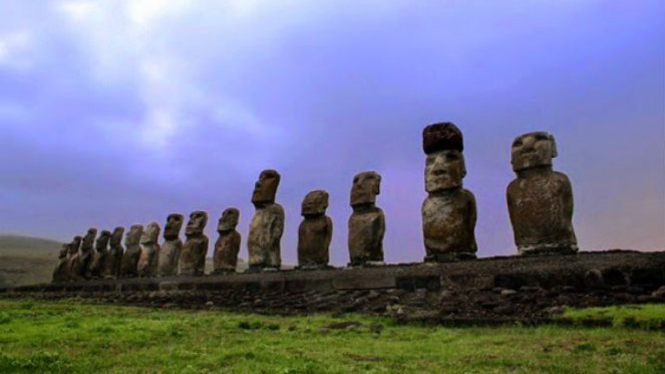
pixel 197 222
pixel 365 187
pixel 315 203
pixel 89 239
pixel 151 233
pixel 173 225
pixel 533 149
pixel 133 237
pixel 444 167
pixel 116 237
pixel 75 245
pixel 63 251
pixel 103 241
pixel 229 220
pixel 265 188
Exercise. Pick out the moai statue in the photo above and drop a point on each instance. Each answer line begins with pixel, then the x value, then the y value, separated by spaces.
pixel 73 259
pixel 267 225
pixel 315 232
pixel 99 255
pixel 87 250
pixel 540 200
pixel 227 245
pixel 147 266
pixel 169 254
pixel 449 211
pixel 60 271
pixel 193 257
pixel 113 257
pixel 367 224
pixel 130 259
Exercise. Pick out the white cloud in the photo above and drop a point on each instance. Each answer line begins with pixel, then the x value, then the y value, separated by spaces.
pixel 14 49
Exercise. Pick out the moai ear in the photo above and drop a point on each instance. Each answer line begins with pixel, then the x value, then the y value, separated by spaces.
pixel 554 151
pixel 461 155
pixel 378 184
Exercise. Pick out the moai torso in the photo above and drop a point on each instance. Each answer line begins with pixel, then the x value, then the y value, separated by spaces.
pixel 227 246
pixel 367 222
pixel 448 225
pixel 315 232
pixel 60 271
pixel 193 256
pixel 99 255
pixel 267 225
pixel 113 257
pixel 169 253
pixel 130 259
pixel 147 265
pixel 449 211
pixel 540 200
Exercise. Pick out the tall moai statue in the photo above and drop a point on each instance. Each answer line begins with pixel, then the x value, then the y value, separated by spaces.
pixel 87 253
pixel 315 232
pixel 130 259
pixel 367 224
pixel 227 245
pixel 267 225
pixel 169 253
pixel 74 259
pixel 99 255
pixel 60 271
pixel 540 200
pixel 449 211
pixel 147 265
pixel 193 257
pixel 113 258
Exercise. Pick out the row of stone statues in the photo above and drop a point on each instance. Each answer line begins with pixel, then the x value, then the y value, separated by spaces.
pixel 540 204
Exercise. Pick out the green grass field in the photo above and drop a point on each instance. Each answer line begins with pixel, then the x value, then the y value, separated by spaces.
pixel 71 336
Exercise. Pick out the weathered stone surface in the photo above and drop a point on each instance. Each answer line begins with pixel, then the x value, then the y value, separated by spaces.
pixel 315 232
pixel 449 211
pixel 60 271
pixel 113 257
pixel 130 259
pixel 87 253
pixel 267 225
pixel 99 255
pixel 367 222
pixel 73 259
pixel 169 253
pixel 227 246
pixel 147 265
pixel 540 200
pixel 193 256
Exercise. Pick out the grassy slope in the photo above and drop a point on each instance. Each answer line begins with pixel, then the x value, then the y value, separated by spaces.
pixel 68 336
pixel 26 260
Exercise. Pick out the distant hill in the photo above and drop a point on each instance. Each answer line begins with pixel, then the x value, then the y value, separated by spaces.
pixel 27 260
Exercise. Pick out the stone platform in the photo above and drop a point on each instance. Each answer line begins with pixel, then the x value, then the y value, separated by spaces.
pixel 488 289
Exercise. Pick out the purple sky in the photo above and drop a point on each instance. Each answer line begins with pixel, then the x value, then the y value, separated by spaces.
pixel 121 112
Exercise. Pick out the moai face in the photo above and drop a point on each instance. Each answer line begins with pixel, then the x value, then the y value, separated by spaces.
pixel 266 187
pixel 63 251
pixel 133 237
pixel 197 222
pixel 103 241
pixel 89 239
pixel 532 150
pixel 74 245
pixel 444 167
pixel 151 233
pixel 116 237
pixel 315 203
pixel 173 225
pixel 229 220
pixel 365 187
pixel 444 170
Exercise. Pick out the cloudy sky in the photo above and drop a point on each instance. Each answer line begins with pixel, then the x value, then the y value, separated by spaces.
pixel 120 112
